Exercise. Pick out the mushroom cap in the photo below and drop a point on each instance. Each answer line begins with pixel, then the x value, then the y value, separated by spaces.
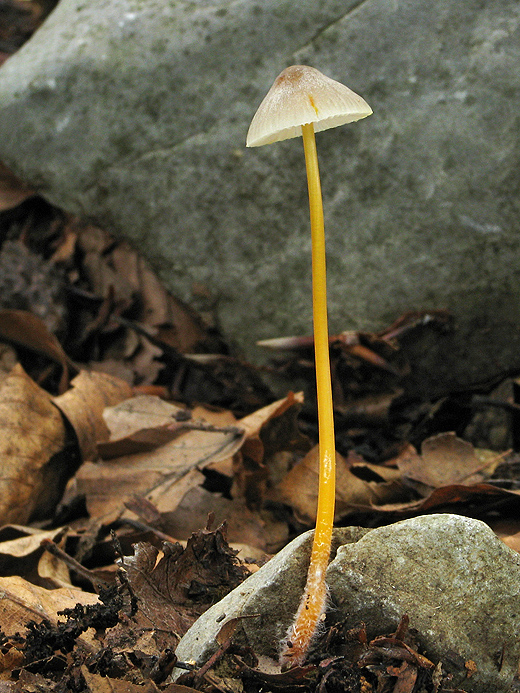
pixel 301 95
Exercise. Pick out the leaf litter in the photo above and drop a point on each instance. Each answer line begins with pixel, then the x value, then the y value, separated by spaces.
pixel 131 420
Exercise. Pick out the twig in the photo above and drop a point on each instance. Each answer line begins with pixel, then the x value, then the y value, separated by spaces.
pixel 73 564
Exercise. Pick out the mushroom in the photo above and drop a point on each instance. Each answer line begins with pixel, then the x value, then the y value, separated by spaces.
pixel 303 101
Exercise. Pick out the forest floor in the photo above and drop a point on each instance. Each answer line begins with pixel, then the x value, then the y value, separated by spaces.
pixel 148 468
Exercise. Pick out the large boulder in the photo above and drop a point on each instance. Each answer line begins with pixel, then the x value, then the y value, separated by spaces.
pixel 458 583
pixel 134 112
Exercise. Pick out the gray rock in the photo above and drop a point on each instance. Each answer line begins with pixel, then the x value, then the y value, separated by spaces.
pixel 272 593
pixel 457 582
pixel 134 112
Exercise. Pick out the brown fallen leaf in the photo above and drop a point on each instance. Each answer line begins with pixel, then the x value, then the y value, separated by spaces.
pixel 222 418
pixel 103 280
pixel 477 499
pixel 175 588
pixel 253 423
pixel 104 684
pixel 109 484
pixel 261 530
pixel 170 476
pixel 446 459
pixel 121 283
pixel 23 601
pixel 179 325
pixel 83 406
pixel 151 516
pixel 32 475
pixel 273 441
pixel 299 488
pixel 508 532
pixel 22 554
pixel 19 327
pixel 144 423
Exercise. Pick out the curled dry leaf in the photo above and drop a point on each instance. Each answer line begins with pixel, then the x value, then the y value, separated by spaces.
pixel 180 327
pixel 253 423
pixel 175 588
pixel 19 327
pixel 480 499
pixel 272 440
pixel 22 553
pixel 84 403
pixel 31 477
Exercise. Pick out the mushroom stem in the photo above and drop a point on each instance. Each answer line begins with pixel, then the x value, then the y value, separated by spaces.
pixel 301 101
pixel 314 597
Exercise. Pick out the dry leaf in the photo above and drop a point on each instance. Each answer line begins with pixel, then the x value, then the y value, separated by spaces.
pixel 222 418
pixel 22 554
pixel 446 459
pixel 181 328
pixel 31 479
pixel 22 602
pixel 104 280
pixel 168 496
pixel 22 542
pixel 253 423
pixel 481 498
pixel 105 684
pixel 299 488
pixel 139 424
pixel 272 442
pixel 83 405
pixel 25 329
pixel 169 474
pixel 107 485
pixel 508 532
pixel 53 572
pixel 175 588
pixel 260 530
pixel 513 541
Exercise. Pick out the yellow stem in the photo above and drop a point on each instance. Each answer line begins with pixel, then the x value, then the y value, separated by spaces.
pixel 313 601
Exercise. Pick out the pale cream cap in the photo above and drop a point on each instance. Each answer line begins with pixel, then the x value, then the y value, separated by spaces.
pixel 301 95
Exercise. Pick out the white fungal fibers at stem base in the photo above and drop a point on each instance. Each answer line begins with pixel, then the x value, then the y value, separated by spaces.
pixel 306 624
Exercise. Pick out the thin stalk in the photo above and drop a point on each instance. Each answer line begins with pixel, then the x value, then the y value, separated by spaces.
pixel 314 597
